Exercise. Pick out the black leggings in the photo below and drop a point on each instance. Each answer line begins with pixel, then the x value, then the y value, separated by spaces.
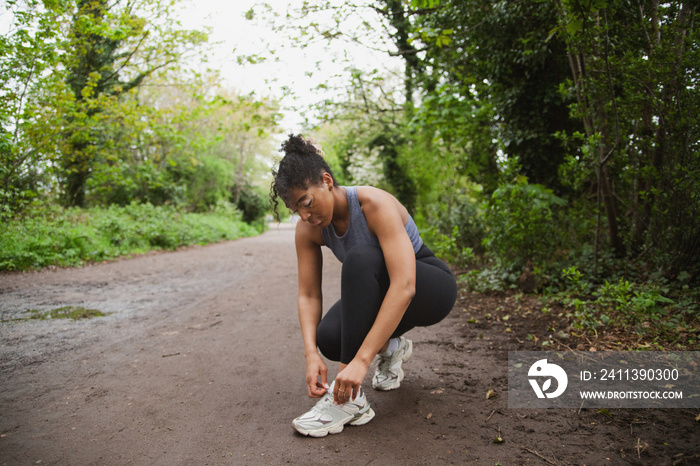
pixel 364 283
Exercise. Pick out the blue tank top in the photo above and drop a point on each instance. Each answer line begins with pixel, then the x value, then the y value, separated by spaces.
pixel 358 233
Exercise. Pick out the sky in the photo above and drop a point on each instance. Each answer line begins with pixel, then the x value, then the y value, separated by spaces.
pixel 300 71
pixel 230 30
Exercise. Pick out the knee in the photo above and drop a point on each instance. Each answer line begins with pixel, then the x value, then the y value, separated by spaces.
pixel 363 258
pixel 328 343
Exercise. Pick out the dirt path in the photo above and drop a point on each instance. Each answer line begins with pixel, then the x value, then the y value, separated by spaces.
pixel 201 362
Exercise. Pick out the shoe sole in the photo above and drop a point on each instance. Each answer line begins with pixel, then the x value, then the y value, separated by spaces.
pixel 404 358
pixel 359 419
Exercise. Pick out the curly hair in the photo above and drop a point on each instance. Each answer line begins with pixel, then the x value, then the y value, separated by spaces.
pixel 301 167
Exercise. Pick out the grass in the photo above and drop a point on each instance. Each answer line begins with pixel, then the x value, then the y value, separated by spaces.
pixel 66 312
pixel 71 237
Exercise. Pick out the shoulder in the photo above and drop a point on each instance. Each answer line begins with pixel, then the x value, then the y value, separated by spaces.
pixel 379 203
pixel 307 235
pixel 372 197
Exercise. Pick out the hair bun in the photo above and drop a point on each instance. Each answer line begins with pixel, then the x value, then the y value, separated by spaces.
pixel 300 146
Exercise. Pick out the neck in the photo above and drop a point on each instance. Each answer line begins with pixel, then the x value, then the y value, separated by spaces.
pixel 341 211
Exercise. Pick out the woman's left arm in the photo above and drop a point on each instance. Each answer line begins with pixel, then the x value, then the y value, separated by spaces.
pixel 385 221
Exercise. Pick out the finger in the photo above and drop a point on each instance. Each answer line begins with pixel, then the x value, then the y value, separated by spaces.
pixel 324 378
pixel 355 392
pixel 339 392
pixel 336 393
pixel 315 391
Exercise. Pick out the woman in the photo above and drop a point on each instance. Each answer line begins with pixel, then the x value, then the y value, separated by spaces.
pixel 391 282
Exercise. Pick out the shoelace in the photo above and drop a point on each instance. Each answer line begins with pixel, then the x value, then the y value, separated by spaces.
pixel 321 405
pixel 385 363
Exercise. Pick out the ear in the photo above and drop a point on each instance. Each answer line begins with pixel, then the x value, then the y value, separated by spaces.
pixel 328 180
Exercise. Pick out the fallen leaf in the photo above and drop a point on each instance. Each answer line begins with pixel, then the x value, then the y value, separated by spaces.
pixel 429 415
pixel 605 412
pixel 498 438
pixel 697 418
pixel 490 394
pixel 439 391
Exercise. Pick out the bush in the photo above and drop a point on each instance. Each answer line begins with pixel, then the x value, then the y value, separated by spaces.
pixel 653 311
pixel 252 204
pixel 69 237
pixel 210 182
pixel 521 225
pixel 123 184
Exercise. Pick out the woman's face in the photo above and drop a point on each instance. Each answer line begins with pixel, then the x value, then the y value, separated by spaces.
pixel 315 204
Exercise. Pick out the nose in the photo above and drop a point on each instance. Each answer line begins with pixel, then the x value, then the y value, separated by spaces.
pixel 304 216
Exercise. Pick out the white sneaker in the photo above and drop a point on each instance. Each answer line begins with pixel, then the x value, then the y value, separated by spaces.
pixel 328 418
pixel 389 373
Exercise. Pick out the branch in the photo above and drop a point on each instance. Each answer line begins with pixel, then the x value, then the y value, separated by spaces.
pixel 129 56
pixel 610 86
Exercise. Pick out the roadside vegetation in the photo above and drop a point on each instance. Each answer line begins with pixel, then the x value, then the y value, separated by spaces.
pixel 71 237
pixel 111 144
pixel 547 149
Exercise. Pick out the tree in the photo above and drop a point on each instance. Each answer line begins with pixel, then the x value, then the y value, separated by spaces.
pixel 111 49
pixel 596 100
pixel 27 54
pixel 194 143
pixel 635 76
pixel 499 55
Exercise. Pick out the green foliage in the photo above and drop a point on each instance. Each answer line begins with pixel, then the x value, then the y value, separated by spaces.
pixel 27 55
pixel 648 310
pixel 597 100
pixel 521 224
pixel 447 248
pixel 501 61
pixel 55 236
pixel 209 183
pixel 634 71
pixel 252 204
pixel 66 312
pixel 75 129
pixel 110 50
pixel 487 279
pixel 122 183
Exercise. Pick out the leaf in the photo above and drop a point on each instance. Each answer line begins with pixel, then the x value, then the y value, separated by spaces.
pixel 605 412
pixel 546 385
pixel 491 394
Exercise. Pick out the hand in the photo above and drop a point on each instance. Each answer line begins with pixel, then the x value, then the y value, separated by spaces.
pixel 315 368
pixel 348 382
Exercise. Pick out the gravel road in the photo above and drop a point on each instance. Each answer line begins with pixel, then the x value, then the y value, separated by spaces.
pixel 199 361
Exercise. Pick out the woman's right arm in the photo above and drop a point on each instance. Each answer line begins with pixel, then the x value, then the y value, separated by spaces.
pixel 310 303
